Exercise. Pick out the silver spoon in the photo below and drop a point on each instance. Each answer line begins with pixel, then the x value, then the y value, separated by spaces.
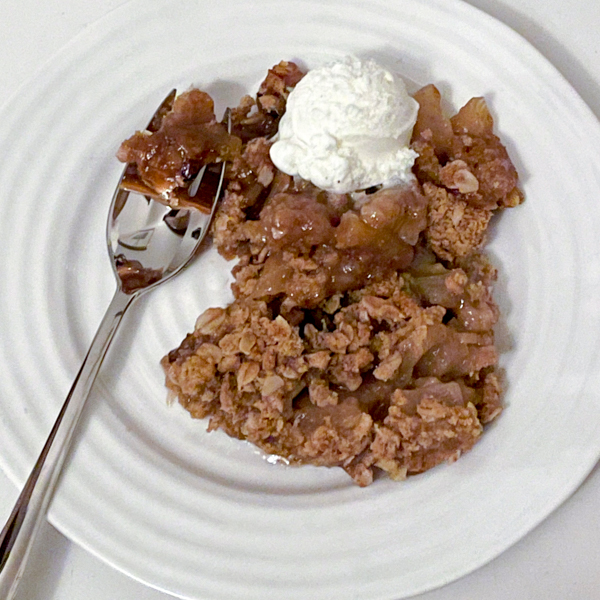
pixel 148 243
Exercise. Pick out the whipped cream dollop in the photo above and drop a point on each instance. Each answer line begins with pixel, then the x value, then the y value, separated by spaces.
pixel 347 127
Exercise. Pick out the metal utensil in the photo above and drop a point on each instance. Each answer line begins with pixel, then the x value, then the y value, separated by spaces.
pixel 148 244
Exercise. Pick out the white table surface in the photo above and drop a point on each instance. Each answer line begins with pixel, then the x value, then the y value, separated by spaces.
pixel 560 560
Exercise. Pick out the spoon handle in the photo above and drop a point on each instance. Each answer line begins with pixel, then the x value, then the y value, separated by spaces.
pixel 30 509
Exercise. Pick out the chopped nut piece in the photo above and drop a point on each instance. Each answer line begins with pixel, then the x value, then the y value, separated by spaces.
pixel 387 369
pixel 247 374
pixel 271 385
pixel 456 175
pixel 247 342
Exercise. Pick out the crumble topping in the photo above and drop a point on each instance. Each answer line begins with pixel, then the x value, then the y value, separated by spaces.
pixel 361 333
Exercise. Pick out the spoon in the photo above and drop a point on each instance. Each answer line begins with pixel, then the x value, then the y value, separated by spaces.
pixel 148 243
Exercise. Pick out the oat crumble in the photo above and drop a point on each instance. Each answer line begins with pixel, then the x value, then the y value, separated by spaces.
pixel 361 333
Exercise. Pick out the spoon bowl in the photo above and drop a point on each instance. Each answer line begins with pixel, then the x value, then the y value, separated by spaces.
pixel 149 242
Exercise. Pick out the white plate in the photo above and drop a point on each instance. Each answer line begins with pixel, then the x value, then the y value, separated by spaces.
pixel 203 516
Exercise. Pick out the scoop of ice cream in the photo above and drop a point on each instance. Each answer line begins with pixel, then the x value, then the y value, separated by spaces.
pixel 347 127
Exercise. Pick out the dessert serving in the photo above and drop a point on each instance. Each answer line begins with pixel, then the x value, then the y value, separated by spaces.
pixel 361 334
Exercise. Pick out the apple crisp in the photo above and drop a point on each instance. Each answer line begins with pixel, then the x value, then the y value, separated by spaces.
pixel 361 335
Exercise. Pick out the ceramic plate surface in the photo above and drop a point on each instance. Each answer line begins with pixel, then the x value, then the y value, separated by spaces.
pixel 203 516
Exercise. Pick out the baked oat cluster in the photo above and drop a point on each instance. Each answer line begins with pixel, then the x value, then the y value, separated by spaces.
pixel 361 334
